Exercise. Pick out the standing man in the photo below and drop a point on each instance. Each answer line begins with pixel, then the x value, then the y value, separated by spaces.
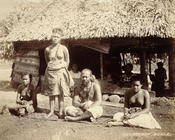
pixel 87 99
pixel 160 77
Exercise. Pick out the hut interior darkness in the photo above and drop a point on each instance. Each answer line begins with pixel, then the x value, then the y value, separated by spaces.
pixel 85 58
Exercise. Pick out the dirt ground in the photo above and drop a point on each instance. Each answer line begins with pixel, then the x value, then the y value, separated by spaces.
pixel 36 127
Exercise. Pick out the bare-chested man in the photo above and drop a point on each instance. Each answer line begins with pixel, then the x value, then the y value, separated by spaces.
pixel 87 99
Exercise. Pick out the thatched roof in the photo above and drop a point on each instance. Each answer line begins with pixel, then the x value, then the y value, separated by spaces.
pixel 21 12
pixel 99 19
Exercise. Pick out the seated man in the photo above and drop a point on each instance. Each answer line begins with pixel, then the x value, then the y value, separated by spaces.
pixel 74 71
pixel 24 100
pixel 87 99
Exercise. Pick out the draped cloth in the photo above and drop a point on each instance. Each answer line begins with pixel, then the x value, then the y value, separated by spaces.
pixel 144 120
pixel 57 82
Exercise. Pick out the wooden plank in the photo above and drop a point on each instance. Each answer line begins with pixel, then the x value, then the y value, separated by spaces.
pixel 26 62
pixel 172 68
pixel 144 67
pixel 101 66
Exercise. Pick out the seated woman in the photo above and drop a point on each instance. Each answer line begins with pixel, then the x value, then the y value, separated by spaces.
pixel 25 95
pixel 136 108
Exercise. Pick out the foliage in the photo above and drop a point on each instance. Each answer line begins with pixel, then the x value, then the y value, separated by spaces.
pixel 6 51
pixel 133 58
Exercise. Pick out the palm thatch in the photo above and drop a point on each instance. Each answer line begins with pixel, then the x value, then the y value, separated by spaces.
pixel 21 12
pixel 82 19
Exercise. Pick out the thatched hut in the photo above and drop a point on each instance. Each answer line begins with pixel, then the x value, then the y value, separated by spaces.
pixel 128 25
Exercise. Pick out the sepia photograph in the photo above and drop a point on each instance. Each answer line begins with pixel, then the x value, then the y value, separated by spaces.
pixel 87 69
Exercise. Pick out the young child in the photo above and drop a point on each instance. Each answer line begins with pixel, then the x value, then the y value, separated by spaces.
pixel 25 93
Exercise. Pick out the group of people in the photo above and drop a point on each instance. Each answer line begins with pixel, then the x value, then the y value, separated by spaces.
pixel 156 81
pixel 87 97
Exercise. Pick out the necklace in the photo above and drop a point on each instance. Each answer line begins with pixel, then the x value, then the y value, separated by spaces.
pixel 87 89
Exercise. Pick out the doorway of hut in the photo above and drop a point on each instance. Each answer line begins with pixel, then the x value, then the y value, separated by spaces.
pixel 85 58
pixel 88 58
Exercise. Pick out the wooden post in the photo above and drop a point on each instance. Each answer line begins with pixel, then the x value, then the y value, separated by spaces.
pixel 172 68
pixel 143 69
pixel 143 65
pixel 123 58
pixel 101 66
pixel 149 62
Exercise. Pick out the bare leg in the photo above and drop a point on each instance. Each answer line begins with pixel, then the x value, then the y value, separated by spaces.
pixel 84 116
pixel 34 99
pixel 17 109
pixel 114 123
pixel 52 104
pixel 61 105
pixel 74 113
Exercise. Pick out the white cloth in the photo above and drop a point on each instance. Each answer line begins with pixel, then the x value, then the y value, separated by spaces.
pixel 144 120
pixel 96 111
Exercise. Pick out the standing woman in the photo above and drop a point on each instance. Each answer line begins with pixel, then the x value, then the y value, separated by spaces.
pixel 57 78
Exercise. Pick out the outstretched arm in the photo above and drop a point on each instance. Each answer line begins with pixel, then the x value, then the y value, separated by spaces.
pixel 66 57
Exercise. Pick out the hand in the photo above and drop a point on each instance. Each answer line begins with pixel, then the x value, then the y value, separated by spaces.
pixel 86 106
pixel 127 116
pixel 23 102
pixel 18 102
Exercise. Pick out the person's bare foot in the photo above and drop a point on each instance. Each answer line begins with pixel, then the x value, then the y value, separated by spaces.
pixel 110 124
pixel 61 115
pixel 92 119
pixel 49 115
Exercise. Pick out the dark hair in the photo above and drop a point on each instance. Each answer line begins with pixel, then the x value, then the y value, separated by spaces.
pixel 30 76
pixel 137 78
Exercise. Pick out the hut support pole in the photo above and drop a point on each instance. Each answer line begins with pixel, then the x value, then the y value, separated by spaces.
pixel 143 66
pixel 149 62
pixel 172 68
pixel 101 66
